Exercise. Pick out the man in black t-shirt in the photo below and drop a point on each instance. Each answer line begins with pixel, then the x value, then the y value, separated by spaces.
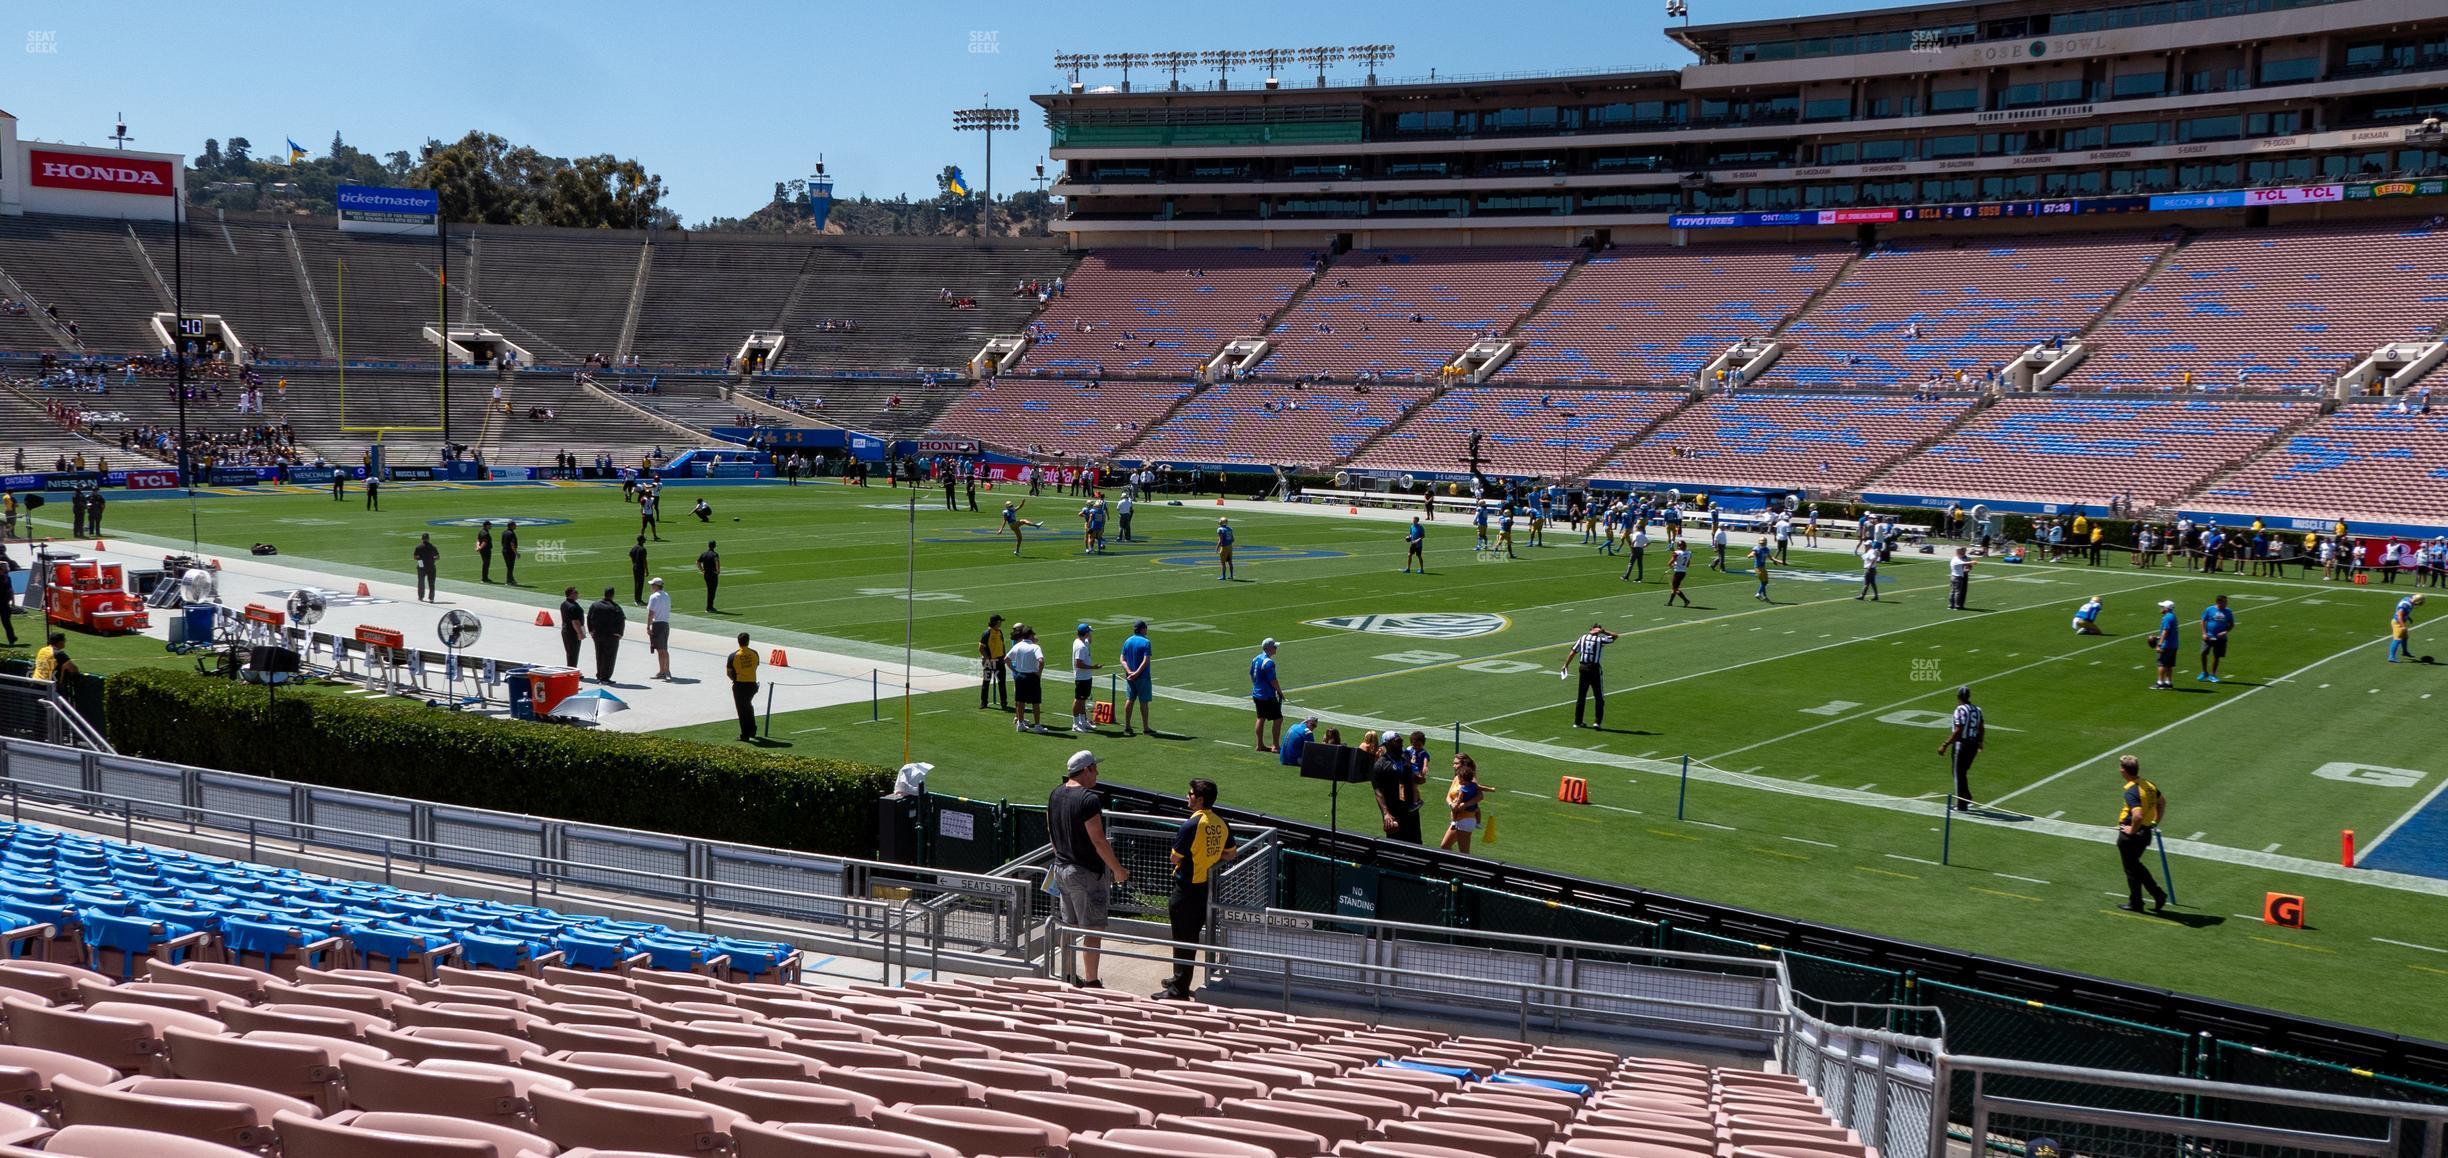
pixel 1398 799
pixel 427 557
pixel 709 564
pixel 484 552
pixel 573 624
pixel 637 571
pixel 1085 867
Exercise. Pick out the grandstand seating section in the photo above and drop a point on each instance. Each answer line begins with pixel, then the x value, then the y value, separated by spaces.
pixel 890 287
pixel 1176 318
pixel 1365 302
pixel 377 291
pixel 1557 434
pixel 1977 303
pixel 566 290
pixel 86 267
pixel 1070 416
pixel 2367 461
pixel 168 1005
pixel 1662 313
pixel 1244 422
pixel 2292 307
pixel 242 272
pixel 1815 441
pixel 2088 450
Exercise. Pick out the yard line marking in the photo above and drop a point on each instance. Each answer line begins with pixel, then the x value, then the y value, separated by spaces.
pixel 2164 730
pixel 1914 859
pixel 1720 827
pixel 1807 840
pixel 1867 787
pixel 2255 918
pixel 1809 778
pixel 2293 945
pixel 1997 893
pixel 2056 814
pixel 2197 836
pixel 934 711
pixel 1526 792
pixel 805 731
pixel 1913 699
pixel 2394 825
pixel 2272 847
pixel 2025 880
pixel 1620 808
pixel 869 721
pixel 1547 740
pixel 2428 969
pixel 2409 945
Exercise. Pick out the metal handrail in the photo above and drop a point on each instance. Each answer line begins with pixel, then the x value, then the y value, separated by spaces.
pixel 1060 936
pixel 2201 1088
pixel 1766 965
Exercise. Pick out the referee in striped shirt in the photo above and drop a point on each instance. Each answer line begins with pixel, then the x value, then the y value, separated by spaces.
pixel 1587 652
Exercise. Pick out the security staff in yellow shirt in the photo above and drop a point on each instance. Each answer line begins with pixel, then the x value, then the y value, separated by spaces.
pixel 1203 844
pixel 2143 808
pixel 741 667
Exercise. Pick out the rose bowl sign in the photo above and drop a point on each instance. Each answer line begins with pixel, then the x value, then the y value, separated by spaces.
pixel 100 173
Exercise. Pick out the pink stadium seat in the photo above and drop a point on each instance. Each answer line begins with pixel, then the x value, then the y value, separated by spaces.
pixel 238 981
pixel 21 1127
pixel 780 1100
pixel 363 1135
pixel 1370 1106
pixel 975 1130
pixel 826 1140
pixel 1392 1149
pixel 127 1038
pixel 1623 1148
pixel 897 1086
pixel 210 1111
pixel 742 1061
pixel 1078 1113
pixel 475 1091
pixel 1690 1143
pixel 322 1020
pixel 664 1123
pixel 122 1142
pixel 418 1043
pixel 1488 1141
pixel 1162 1144
pixel 26 1075
pixel 1276 1138
pixel 1327 1122
pixel 1150 1094
pixel 621 1071
pixel 307 1072
pixel 56 982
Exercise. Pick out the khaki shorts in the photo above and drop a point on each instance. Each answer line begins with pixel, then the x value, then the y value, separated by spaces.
pixel 1082 896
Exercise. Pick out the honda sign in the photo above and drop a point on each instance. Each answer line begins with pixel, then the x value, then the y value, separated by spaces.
pixel 100 173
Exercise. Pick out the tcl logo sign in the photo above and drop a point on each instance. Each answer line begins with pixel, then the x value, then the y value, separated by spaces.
pixel 100 173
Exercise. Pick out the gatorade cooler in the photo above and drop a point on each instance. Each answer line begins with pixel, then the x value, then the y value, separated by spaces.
pixel 522 694
pixel 551 685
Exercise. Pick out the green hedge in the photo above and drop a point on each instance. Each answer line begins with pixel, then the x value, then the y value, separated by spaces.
pixel 614 778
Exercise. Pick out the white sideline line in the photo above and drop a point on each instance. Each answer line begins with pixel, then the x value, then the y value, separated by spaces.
pixel 1807 840
pixel 2394 825
pixel 2025 880
pixel 2164 730
pixel 1914 859
pixel 1719 827
pixel 2409 945
pixel 1620 808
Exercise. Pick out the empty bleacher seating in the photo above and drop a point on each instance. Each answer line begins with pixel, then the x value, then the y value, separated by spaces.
pixel 1974 303
pixel 241 271
pixel 2064 449
pixel 1810 441
pixel 1407 313
pixel 1150 311
pixel 311 1055
pixel 1245 422
pixel 85 267
pixel 2362 462
pixel 1662 313
pixel 1534 432
pixel 1080 417
pixel 2274 309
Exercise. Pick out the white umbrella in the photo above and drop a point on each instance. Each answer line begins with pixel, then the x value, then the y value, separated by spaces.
pixel 590 705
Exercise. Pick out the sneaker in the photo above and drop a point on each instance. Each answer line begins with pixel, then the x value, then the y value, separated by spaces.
pixel 1020 725
pixel 1092 985
pixel 2214 679
pixel 1169 993
pixel 2200 676
pixel 1128 732
pixel 2158 905
pixel 2131 908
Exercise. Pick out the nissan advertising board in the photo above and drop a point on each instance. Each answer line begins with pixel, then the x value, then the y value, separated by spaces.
pixel 98 182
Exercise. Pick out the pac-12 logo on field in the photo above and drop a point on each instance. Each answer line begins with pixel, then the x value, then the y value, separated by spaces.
pixel 1426 625
pixel 497 520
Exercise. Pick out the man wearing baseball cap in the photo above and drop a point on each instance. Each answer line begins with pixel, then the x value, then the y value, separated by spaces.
pixel 2165 641
pixel 1398 798
pixel 1266 695
pixel 1085 867
pixel 1083 677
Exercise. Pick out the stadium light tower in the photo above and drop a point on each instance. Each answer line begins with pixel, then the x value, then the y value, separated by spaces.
pixel 1173 63
pixel 1224 60
pixel 1321 56
pixel 985 119
pixel 1124 61
pixel 1372 55
pixel 1272 60
pixel 1072 62
pixel 119 131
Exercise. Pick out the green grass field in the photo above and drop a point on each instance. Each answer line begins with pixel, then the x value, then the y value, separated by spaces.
pixel 1812 724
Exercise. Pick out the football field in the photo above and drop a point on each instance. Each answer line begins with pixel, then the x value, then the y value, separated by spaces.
pixel 1811 723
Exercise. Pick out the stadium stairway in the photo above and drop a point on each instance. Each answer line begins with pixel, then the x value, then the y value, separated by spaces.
pixel 1178 320
pixel 87 268
pixel 1357 317
pixel 240 271
pixel 1660 314
pixel 2363 461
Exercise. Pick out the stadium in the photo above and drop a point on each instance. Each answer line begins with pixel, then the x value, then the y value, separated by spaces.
pixel 432 721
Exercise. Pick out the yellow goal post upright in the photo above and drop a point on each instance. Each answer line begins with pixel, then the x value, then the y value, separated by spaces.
pixel 378 430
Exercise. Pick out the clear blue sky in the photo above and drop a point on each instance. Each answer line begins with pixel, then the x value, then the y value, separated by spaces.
pixel 721 99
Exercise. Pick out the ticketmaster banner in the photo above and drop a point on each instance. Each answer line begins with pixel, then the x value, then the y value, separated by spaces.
pixel 375 209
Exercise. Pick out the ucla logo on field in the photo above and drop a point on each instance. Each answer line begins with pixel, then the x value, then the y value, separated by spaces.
pixel 497 520
pixel 1782 575
pixel 1424 625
